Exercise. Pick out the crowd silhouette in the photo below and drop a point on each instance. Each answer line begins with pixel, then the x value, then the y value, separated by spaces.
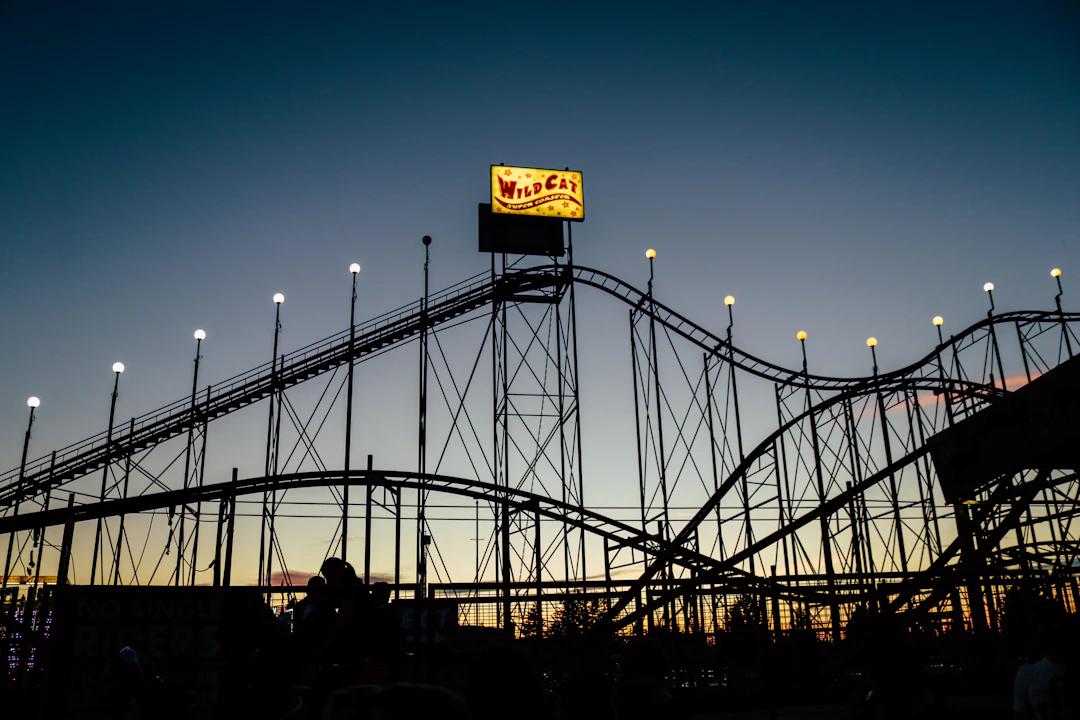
pixel 338 652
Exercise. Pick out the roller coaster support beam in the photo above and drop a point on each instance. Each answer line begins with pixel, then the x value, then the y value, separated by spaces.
pixel 579 449
pixel 117 554
pixel 39 533
pixel 367 527
pixel 65 544
pixel 198 504
pixel 230 498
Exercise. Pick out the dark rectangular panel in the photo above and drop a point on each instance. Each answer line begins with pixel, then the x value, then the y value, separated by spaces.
pixel 519 234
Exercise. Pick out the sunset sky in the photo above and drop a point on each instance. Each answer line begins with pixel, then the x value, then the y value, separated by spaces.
pixel 850 169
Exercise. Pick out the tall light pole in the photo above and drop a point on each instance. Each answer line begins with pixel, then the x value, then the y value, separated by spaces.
pixel 32 402
pixel 354 269
pixel 279 299
pixel 422 538
pixel 199 335
pixel 729 302
pixel 118 369
pixel 823 521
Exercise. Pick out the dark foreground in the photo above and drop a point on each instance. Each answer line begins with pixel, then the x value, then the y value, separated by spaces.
pixel 165 653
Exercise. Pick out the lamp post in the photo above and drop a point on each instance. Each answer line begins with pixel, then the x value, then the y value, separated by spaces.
pixel 32 402
pixel 118 370
pixel 665 524
pixel 199 336
pixel 354 270
pixel 264 555
pixel 823 521
pixel 422 536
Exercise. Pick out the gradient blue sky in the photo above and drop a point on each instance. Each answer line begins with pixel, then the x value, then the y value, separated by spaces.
pixel 851 169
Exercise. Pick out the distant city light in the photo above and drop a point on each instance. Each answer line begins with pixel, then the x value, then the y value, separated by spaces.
pixel 729 300
pixel 118 367
pixel 988 287
pixel 33 401
pixel 871 342
pixel 200 334
pixel 801 336
pixel 354 268
pixel 937 321
pixel 279 298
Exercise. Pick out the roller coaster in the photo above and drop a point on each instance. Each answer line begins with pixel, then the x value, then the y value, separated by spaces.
pixel 803 497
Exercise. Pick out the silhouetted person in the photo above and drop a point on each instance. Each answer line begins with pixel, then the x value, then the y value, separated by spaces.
pixel 1046 688
pixel 314 618
pixel 349 642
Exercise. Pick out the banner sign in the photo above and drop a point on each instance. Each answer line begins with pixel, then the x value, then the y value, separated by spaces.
pixel 554 194
pixel 427 621
pixel 188 650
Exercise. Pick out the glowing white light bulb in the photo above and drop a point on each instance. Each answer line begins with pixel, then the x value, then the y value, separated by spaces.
pixel 354 268
pixel 33 401
pixel 279 298
pixel 200 334
pixel 118 367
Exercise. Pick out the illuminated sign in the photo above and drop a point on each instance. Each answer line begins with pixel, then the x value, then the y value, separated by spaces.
pixel 555 194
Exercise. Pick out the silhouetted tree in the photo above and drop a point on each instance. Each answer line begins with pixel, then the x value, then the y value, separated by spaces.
pixel 533 623
pixel 575 617
pixel 746 613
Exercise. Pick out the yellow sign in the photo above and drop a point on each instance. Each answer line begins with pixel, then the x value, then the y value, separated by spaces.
pixel 555 194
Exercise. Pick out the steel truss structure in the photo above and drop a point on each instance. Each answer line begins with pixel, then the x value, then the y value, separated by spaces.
pixel 797 497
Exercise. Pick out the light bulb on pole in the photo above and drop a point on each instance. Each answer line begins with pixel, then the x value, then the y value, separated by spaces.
pixel 988 288
pixel 801 337
pixel 650 255
pixel 937 321
pixel 871 342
